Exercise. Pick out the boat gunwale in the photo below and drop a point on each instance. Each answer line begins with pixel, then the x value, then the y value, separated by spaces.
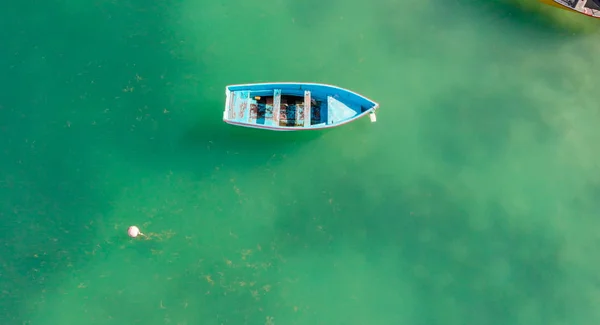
pixel 301 128
pixel 304 83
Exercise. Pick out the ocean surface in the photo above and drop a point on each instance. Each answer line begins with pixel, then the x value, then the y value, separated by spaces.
pixel 473 200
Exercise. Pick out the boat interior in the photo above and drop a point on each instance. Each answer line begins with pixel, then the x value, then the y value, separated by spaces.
pixel 275 109
pixel 593 4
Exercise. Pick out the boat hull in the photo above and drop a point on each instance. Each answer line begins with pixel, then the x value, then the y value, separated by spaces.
pixel 294 106
pixel 555 4
pixel 578 6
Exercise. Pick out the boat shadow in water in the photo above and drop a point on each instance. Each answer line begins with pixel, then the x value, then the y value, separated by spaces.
pixel 218 143
pixel 227 138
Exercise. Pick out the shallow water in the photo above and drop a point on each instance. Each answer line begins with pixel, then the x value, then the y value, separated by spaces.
pixel 472 200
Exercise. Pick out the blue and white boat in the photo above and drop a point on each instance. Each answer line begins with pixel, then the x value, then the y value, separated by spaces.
pixel 294 106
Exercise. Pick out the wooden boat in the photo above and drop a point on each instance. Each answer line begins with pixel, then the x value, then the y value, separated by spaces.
pixel 294 106
pixel 587 7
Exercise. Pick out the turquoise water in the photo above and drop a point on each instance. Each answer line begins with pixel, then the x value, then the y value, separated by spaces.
pixel 472 200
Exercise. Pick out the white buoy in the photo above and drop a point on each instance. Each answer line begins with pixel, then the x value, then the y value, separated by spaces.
pixel 134 231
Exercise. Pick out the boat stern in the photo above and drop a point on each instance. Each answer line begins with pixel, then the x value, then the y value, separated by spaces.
pixel 227 104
